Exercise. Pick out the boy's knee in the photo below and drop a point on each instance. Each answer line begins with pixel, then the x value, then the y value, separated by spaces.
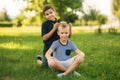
pixel 51 64
pixel 80 60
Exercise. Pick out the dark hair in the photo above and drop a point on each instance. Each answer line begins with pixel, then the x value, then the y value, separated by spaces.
pixel 46 7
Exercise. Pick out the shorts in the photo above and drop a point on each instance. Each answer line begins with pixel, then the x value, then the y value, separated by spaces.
pixel 68 62
pixel 65 63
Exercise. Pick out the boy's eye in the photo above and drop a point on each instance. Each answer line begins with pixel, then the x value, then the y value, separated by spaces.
pixel 46 14
pixel 66 33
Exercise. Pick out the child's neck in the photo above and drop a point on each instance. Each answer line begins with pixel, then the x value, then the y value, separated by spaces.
pixel 53 19
pixel 63 42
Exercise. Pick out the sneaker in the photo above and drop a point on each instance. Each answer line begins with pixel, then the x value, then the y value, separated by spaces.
pixel 39 59
pixel 60 75
pixel 76 73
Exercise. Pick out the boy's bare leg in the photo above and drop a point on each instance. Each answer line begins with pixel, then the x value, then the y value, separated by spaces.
pixel 58 66
pixel 73 66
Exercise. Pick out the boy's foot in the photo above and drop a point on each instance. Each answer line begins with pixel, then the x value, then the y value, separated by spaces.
pixel 39 60
pixel 76 73
pixel 60 75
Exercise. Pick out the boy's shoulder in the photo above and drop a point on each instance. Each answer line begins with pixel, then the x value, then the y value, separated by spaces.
pixel 56 41
pixel 48 21
pixel 70 42
pixel 45 22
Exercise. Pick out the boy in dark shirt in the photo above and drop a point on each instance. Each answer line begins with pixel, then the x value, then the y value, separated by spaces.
pixel 48 31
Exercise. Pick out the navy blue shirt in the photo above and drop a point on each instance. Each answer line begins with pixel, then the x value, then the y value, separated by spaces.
pixel 46 28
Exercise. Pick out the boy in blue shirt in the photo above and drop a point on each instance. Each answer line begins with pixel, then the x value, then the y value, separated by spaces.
pixel 62 48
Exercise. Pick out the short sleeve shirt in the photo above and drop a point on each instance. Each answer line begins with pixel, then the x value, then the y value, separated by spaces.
pixel 62 52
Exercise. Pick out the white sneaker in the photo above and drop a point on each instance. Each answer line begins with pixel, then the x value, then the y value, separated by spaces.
pixel 76 73
pixel 60 75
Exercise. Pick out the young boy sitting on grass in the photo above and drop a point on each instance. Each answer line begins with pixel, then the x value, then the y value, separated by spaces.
pixel 62 48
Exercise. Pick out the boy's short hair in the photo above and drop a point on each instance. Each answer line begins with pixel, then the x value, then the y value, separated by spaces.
pixel 46 7
pixel 64 24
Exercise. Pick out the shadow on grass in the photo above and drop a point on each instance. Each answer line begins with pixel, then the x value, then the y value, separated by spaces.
pixel 19 64
pixel 7 39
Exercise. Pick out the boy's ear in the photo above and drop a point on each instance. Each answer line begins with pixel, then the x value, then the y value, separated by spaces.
pixel 57 32
pixel 70 34
pixel 70 30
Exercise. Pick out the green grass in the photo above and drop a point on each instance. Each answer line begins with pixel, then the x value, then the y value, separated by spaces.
pixel 20 46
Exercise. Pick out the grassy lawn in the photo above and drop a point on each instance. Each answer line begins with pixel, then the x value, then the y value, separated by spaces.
pixel 20 46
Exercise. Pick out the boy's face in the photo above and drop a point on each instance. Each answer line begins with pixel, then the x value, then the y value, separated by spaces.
pixel 50 14
pixel 63 33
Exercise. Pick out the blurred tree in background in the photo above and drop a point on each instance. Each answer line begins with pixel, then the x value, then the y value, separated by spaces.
pixel 4 16
pixel 93 17
pixel 67 8
pixel 32 14
pixel 5 20
pixel 116 8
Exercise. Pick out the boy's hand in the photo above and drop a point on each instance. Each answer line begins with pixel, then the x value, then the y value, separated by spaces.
pixel 80 58
pixel 56 25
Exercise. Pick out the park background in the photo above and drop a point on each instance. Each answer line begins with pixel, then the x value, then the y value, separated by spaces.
pixel 95 32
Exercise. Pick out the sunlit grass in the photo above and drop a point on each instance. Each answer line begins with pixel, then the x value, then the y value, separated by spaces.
pixel 33 30
pixel 20 46
pixel 19 30
pixel 12 45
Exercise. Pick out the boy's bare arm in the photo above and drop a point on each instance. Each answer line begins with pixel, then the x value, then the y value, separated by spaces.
pixel 80 52
pixel 49 34
pixel 80 56
pixel 48 53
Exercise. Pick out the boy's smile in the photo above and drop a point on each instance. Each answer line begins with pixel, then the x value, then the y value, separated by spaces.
pixel 50 14
pixel 63 34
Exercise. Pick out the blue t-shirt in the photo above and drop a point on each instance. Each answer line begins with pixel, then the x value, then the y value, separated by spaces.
pixel 62 52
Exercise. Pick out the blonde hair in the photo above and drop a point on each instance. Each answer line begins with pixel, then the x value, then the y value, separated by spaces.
pixel 64 24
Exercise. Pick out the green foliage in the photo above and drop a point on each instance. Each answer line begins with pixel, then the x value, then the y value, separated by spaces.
pixel 93 15
pixel 6 24
pixel 20 46
pixel 102 19
pixel 18 21
pixel 27 17
pixel 4 16
pixel 112 30
pixel 61 6
pixel 116 8
pixel 70 17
